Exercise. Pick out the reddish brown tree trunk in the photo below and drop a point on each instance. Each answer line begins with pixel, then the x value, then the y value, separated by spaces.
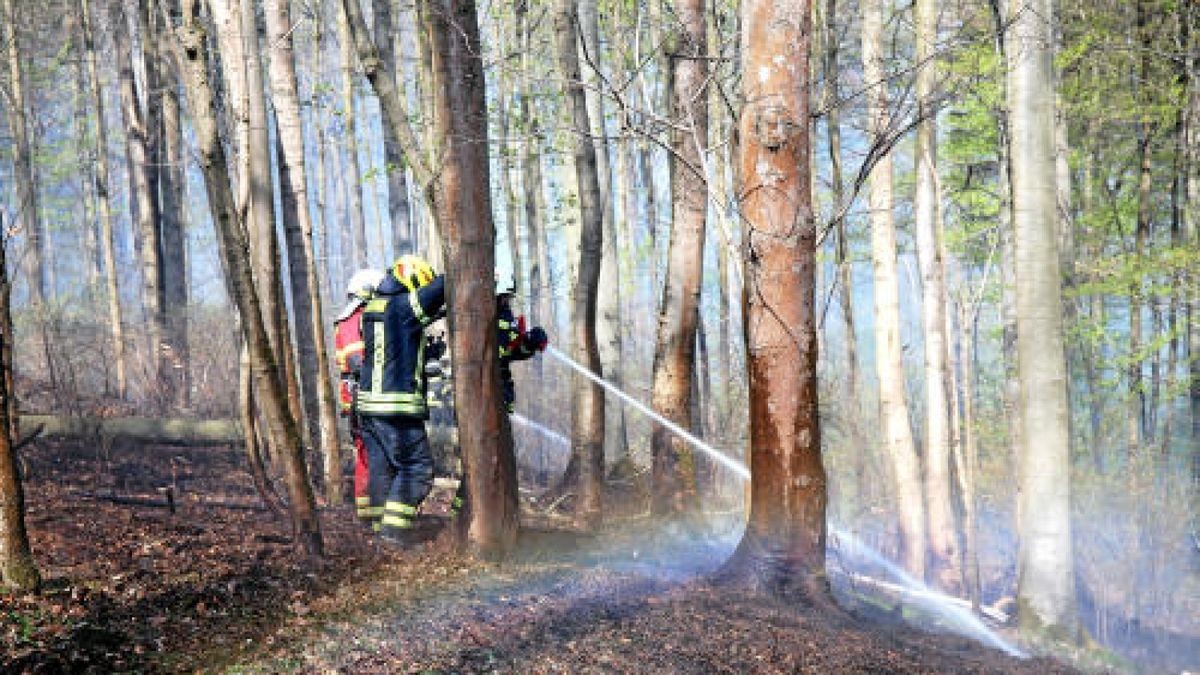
pixel 784 544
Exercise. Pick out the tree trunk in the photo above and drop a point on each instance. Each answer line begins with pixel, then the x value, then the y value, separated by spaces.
pixel 1046 581
pixel 144 125
pixel 844 263
pixel 104 204
pixel 17 568
pixel 399 215
pixel 889 358
pixel 298 229
pixel 358 227
pixel 783 548
pixel 587 399
pixel 609 324
pixel 174 349
pixel 26 207
pixel 234 250
pixel 674 467
pixel 943 558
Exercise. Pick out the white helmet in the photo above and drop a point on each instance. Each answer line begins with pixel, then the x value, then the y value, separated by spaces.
pixel 363 283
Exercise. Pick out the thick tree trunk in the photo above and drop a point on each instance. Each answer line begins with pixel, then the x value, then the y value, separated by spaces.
pixel 784 544
pixel 234 250
pixel 298 231
pixel 462 202
pixel 674 467
pixel 17 568
pixel 587 399
pixel 943 558
pixel 104 204
pixel 1046 580
pixel 889 358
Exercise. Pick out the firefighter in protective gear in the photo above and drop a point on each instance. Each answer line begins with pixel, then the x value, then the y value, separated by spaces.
pixel 516 344
pixel 391 395
pixel 348 344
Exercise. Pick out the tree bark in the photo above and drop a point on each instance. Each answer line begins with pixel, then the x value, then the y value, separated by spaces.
pixel 175 357
pixel 298 231
pixel 587 399
pixel 18 570
pixel 674 465
pixel 104 206
pixel 609 321
pixel 404 238
pixel 26 208
pixel 783 548
pixel 235 252
pixel 358 227
pixel 889 358
pixel 943 558
pixel 1046 581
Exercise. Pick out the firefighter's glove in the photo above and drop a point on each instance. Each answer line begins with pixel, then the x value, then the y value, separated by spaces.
pixel 435 347
pixel 536 339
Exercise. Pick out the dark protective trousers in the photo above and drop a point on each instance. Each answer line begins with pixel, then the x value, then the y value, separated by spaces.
pixel 401 469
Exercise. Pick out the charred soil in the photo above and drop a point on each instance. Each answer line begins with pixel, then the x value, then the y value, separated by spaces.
pixel 215 585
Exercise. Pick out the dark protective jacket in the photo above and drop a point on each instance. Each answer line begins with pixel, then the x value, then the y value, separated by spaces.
pixel 393 380
pixel 514 346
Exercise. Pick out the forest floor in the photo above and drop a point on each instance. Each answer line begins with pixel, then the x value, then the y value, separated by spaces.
pixel 214 586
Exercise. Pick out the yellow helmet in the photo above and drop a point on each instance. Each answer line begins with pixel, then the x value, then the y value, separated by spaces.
pixel 412 272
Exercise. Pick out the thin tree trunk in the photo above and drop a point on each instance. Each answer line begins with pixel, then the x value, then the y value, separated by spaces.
pixel 250 435
pixel 1046 603
pixel 399 213
pixel 149 136
pixel 783 548
pixel 674 467
pixel 298 230
pixel 175 352
pixel 234 250
pixel 609 323
pixel 587 399
pixel 844 263
pixel 896 429
pixel 26 206
pixel 358 227
pixel 18 571
pixel 107 236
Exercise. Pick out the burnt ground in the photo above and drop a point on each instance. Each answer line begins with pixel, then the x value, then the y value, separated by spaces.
pixel 213 586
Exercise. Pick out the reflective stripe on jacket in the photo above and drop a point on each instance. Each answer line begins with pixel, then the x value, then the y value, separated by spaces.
pixel 392 381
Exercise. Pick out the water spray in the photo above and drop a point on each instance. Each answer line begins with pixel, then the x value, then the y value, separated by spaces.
pixel 962 619
pixel 725 460
pixel 540 429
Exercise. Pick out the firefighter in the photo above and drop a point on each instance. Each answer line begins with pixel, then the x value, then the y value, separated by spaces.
pixel 348 343
pixel 516 344
pixel 391 396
